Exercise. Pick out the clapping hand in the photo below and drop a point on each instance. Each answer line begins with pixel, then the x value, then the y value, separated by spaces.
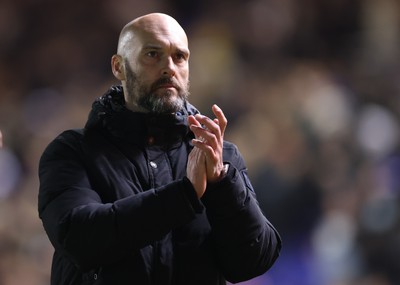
pixel 205 162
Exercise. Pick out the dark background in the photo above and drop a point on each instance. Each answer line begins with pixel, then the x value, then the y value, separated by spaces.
pixel 311 91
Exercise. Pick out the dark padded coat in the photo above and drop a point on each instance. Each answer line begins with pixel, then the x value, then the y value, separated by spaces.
pixel 118 209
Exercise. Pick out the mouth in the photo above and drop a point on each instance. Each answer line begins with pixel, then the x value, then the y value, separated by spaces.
pixel 166 86
pixel 165 83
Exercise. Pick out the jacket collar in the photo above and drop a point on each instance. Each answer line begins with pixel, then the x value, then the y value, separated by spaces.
pixel 109 114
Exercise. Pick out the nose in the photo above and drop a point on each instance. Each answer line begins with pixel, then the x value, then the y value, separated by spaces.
pixel 168 69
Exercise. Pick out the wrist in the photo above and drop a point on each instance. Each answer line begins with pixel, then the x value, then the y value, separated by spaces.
pixel 222 173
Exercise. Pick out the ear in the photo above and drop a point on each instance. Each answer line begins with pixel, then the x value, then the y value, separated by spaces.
pixel 117 67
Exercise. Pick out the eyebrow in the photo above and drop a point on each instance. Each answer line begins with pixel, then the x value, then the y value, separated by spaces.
pixel 159 47
pixel 152 46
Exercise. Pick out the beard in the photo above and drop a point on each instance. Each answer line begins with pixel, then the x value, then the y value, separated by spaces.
pixel 146 96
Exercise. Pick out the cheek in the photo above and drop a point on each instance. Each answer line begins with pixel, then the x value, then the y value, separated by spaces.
pixel 146 76
pixel 184 74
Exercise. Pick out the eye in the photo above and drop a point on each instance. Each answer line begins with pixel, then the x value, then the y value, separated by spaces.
pixel 180 56
pixel 152 54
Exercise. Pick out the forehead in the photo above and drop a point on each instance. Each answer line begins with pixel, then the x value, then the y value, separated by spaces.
pixel 159 32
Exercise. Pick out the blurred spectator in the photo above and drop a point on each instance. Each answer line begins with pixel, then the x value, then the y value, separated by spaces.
pixel 10 172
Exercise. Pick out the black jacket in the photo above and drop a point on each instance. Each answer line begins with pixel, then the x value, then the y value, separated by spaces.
pixel 118 209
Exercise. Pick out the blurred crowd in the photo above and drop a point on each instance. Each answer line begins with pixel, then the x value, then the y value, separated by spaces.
pixel 311 90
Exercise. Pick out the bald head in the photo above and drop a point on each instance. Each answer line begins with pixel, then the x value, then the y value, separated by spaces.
pixel 156 24
pixel 152 63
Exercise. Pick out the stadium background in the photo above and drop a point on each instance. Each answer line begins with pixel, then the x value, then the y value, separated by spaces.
pixel 311 91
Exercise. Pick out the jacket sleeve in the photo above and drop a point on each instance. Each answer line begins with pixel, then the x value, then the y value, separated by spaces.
pixel 91 233
pixel 246 243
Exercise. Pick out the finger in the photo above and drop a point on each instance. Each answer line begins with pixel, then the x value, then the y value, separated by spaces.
pixel 209 125
pixel 204 147
pixel 216 121
pixel 205 136
pixel 222 121
pixel 192 121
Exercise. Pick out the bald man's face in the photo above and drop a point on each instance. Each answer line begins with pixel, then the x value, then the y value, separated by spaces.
pixel 156 66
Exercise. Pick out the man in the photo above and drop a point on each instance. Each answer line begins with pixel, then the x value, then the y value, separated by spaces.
pixel 148 192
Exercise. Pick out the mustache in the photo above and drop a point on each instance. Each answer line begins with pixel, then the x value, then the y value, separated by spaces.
pixel 165 81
